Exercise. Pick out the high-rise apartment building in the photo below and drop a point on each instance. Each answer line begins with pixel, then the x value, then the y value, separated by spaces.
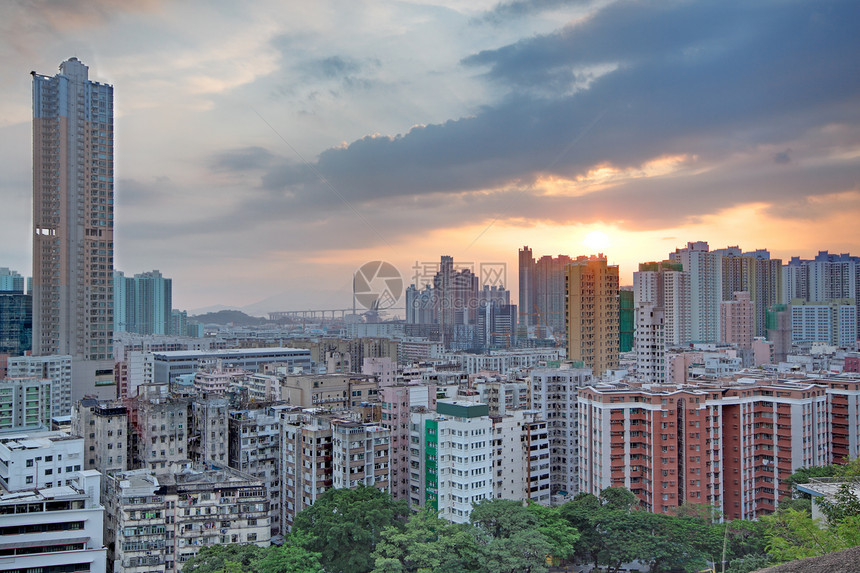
pixel 822 279
pixel 737 320
pixel 729 446
pixel 73 184
pixel 554 393
pixel 666 286
pixel 592 313
pixel 57 369
pixel 705 270
pixel 650 344
pixel 451 458
pixel 542 294
pixel 756 273
pixel 143 303
pixel 833 322
pixel 10 281
pixel 25 404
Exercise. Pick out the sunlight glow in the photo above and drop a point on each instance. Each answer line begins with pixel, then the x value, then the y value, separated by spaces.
pixel 597 241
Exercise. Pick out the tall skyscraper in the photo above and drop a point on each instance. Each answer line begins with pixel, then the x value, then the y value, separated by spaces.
pixel 664 285
pixel 16 314
pixel 142 304
pixel 73 184
pixel 457 301
pixel 11 281
pixel 592 313
pixel 542 294
pixel 705 270
pixel 756 273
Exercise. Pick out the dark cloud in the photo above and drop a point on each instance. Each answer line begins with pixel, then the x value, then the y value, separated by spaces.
pixel 337 66
pixel 520 8
pixel 340 73
pixel 244 159
pixel 133 193
pixel 782 157
pixel 724 83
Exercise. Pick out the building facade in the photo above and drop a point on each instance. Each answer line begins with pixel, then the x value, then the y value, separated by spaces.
pixel 705 270
pixel 57 369
pixel 155 522
pixel 554 393
pixel 592 313
pixel 451 458
pixel 60 528
pixel 737 320
pixel 143 303
pixel 73 209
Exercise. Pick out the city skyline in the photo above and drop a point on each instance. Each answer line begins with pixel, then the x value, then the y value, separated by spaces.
pixel 274 149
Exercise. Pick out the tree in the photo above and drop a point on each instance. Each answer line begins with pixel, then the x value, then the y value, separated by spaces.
pixel 426 543
pixel 509 537
pixel 748 564
pixel 679 543
pixel 502 517
pixel 619 498
pixel 217 558
pixel 583 513
pixel 523 552
pixel 288 559
pixel 795 535
pixel 742 538
pixel 844 503
pixel 557 530
pixel 344 526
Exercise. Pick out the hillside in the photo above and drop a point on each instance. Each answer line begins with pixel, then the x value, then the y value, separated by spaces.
pixel 236 317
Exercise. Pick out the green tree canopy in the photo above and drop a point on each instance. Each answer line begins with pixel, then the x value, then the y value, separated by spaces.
pixel 427 543
pixel 216 558
pixel 344 526
pixel 288 559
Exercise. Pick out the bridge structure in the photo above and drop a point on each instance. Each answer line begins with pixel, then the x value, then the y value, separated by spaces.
pixel 330 314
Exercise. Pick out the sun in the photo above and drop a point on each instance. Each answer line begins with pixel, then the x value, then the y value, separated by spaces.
pixel 597 241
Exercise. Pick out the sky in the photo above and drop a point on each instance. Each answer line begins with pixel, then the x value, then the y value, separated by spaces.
pixel 265 150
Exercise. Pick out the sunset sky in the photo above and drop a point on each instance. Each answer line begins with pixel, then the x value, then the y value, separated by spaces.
pixel 265 150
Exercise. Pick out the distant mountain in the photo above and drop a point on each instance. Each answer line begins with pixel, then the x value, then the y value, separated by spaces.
pixel 236 317
pixel 210 308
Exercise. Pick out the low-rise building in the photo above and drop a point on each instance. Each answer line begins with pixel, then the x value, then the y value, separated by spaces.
pixel 40 460
pixel 254 449
pixel 57 528
pixel 156 521
pixel 104 427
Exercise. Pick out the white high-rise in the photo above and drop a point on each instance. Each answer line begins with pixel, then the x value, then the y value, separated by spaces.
pixel 705 270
